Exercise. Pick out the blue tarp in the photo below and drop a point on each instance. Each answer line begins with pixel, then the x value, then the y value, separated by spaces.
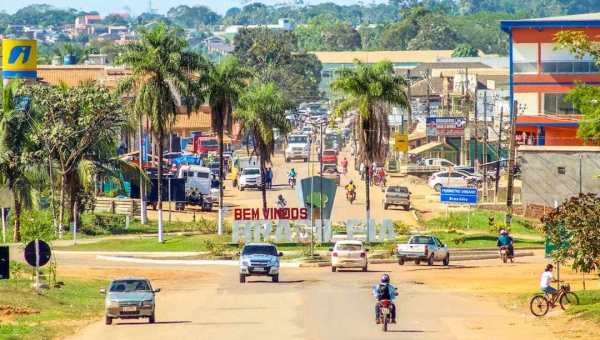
pixel 186 160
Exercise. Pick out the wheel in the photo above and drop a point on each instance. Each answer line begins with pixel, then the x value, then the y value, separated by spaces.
pixel 437 187
pixel 242 278
pixel 365 268
pixel 152 319
pixel 234 183
pixel 384 322
pixel 242 188
pixel 539 305
pixel 568 300
pixel 504 258
pixel 407 207
pixel 275 278
pixel 430 260
pixel 385 206
pixel 417 262
pixel 109 320
pixel 447 260
pixel 333 269
pixel 400 261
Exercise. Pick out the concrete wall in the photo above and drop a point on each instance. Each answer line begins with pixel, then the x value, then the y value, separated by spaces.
pixel 542 182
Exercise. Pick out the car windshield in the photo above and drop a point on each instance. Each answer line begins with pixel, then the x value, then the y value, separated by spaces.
pixel 349 247
pixel 251 171
pixel 259 250
pixel 209 142
pixel 120 286
pixel 297 139
pixel 421 240
pixel 400 190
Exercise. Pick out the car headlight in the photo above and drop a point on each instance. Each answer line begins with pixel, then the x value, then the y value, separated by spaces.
pixel 246 263
pixel 274 262
pixel 112 304
pixel 147 303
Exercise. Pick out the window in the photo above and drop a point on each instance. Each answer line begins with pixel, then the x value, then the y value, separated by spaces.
pixel 555 104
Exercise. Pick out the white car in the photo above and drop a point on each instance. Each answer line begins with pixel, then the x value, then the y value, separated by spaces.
pixel 307 130
pixel 330 130
pixel 448 179
pixel 249 178
pixel 349 254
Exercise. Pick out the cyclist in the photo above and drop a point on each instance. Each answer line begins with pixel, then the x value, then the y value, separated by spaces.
pixel 344 166
pixel 545 281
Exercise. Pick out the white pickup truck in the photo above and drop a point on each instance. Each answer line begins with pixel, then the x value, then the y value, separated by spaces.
pixel 423 248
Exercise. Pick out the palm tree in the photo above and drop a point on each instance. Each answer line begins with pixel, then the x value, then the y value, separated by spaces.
pixel 261 109
pixel 159 67
pixel 372 90
pixel 15 144
pixel 222 84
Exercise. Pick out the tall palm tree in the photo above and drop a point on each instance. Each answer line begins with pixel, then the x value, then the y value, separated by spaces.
pixel 222 84
pixel 372 90
pixel 261 109
pixel 159 70
pixel 15 145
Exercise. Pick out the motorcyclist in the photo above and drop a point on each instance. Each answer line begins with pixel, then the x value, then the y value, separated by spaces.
pixel 505 241
pixel 385 291
pixel 281 201
pixel 291 175
pixel 351 189
pixel 381 175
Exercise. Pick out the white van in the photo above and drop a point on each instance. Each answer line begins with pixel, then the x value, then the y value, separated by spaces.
pixel 196 177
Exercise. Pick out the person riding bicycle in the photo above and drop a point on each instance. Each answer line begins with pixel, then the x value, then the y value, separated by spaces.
pixel 281 201
pixel 381 175
pixel 505 241
pixel 545 281
pixel 385 291
pixel 345 165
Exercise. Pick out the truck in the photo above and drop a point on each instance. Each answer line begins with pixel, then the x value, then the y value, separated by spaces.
pixel 423 248
pixel 205 144
pixel 298 147
pixel 395 195
pixel 197 187
pixel 259 259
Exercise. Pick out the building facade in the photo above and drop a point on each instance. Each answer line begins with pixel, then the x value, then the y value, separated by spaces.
pixel 541 76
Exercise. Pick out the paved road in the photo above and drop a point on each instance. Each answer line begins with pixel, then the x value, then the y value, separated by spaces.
pixel 309 304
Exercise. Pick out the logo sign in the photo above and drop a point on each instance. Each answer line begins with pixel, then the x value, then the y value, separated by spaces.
pixel 145 148
pixel 401 143
pixel 19 59
pixel 445 126
pixel 458 195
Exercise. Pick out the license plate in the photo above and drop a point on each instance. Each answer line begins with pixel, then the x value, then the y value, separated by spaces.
pixel 129 309
pixel 385 310
pixel 259 269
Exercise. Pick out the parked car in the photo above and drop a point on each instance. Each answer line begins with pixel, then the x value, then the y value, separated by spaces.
pixel 249 178
pixel 349 254
pixel 329 156
pixel 214 169
pixel 130 298
pixel 423 248
pixel 468 169
pixel 450 179
pixel 259 259
pixel 395 195
pixel 331 172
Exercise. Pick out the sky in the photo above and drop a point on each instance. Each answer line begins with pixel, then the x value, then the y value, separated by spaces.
pixel 105 7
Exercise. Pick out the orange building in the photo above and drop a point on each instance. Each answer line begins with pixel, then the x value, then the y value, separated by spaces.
pixel 540 77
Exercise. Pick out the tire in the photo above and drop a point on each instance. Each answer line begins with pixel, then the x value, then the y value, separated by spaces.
pixel 417 262
pixel 400 261
pixel 539 305
pixel 437 187
pixel 504 258
pixel 384 322
pixel 333 269
pixel 365 268
pixel 287 160
pixel 275 278
pixel 430 260
pixel 234 183
pixel 407 207
pixel 109 320
pixel 568 300
pixel 152 318
pixel 385 206
pixel 447 260
pixel 242 278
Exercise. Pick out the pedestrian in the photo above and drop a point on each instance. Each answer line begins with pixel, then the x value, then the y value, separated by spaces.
pixel 362 171
pixel 269 178
pixel 319 153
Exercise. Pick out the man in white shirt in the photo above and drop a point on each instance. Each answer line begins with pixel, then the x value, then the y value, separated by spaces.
pixel 362 171
pixel 545 281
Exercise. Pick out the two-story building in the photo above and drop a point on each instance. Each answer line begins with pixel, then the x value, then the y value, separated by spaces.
pixel 541 76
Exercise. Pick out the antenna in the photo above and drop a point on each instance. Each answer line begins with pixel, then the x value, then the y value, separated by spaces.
pixel 150 9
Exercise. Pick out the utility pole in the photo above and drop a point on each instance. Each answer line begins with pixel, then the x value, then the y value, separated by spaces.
pixel 485 147
pixel 409 116
pixel 476 125
pixel 142 183
pixel 511 163
pixel 427 85
pixel 465 111
pixel 498 153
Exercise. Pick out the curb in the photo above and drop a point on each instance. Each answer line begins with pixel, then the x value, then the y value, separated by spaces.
pixel 129 253
pixel 186 262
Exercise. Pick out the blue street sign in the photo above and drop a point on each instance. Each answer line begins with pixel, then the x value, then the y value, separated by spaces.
pixel 145 149
pixel 458 195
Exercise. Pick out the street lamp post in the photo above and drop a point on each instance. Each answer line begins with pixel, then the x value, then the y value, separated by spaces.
pixel 321 181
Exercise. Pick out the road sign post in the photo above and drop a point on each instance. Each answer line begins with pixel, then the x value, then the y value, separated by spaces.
pixel 459 195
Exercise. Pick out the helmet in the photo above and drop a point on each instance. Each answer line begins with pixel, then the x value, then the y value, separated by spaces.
pixel 280 197
pixel 502 232
pixel 351 182
pixel 385 278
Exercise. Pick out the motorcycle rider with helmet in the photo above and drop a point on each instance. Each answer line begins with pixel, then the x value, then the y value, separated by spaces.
pixel 351 189
pixel 385 291
pixel 281 203
pixel 505 241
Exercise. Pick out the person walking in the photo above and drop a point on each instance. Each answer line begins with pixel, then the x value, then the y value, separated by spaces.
pixel 269 178
pixel 362 171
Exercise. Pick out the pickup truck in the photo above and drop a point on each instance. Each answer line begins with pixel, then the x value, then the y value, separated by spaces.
pixel 395 195
pixel 329 157
pixel 423 248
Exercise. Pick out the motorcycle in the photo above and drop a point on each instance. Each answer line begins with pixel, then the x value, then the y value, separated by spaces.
pixel 505 254
pixel 351 196
pixel 281 205
pixel 385 311
pixel 292 181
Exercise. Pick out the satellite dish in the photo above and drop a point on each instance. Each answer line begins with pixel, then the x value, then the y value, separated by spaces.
pixel 44 250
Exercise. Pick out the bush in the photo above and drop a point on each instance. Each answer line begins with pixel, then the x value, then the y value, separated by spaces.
pixel 216 248
pixel 36 224
pixel 100 224
pixel 496 227
pixel 401 228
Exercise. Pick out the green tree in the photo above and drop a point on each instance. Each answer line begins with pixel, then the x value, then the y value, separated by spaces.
pixel 310 37
pixel 372 90
pixel 341 36
pixel 435 34
pixel 114 20
pixel 158 66
pixel 464 50
pixel 261 109
pixel 575 221
pixel 223 83
pixel 16 149
pixel 369 36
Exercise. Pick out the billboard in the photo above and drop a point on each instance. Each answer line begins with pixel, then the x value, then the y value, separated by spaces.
pixel 19 59
pixel 445 126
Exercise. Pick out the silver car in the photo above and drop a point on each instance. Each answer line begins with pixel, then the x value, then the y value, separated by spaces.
pixel 130 298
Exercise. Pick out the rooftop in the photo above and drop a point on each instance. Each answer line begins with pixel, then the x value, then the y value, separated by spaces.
pixel 564 21
pixel 377 56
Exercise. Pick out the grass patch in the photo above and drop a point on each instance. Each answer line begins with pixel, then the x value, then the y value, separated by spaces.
pixel 51 315
pixel 479 221
pixel 481 241
pixel 589 306
pixel 172 243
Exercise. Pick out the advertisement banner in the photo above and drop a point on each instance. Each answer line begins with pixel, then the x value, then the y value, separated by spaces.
pixel 145 149
pixel 445 126
pixel 19 59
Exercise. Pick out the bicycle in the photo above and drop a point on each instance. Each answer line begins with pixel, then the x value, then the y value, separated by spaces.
pixel 540 303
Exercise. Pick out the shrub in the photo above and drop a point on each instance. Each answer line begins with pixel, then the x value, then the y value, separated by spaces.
pixel 496 227
pixel 100 224
pixel 216 248
pixel 401 228
pixel 389 246
pixel 36 224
